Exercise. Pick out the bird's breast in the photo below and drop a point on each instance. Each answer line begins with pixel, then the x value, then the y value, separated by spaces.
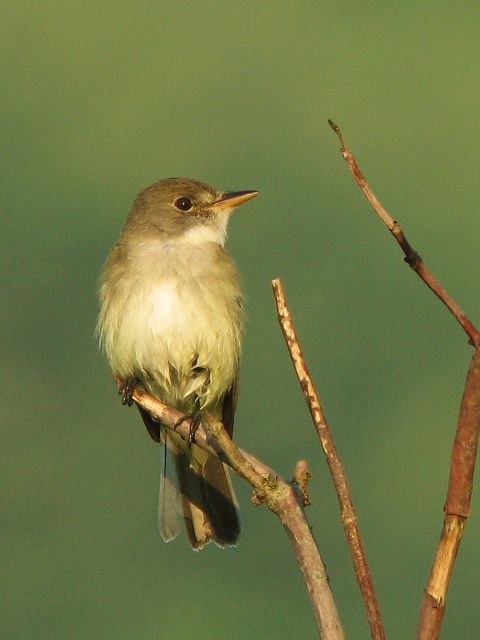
pixel 176 319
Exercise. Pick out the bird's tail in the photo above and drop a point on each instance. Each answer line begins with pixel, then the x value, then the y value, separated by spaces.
pixel 209 504
pixel 197 486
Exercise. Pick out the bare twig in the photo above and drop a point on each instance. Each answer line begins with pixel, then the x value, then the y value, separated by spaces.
pixel 412 258
pixel 270 488
pixel 464 450
pixel 457 505
pixel 347 509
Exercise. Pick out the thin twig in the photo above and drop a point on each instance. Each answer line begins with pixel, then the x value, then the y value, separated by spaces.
pixel 270 488
pixel 457 505
pixel 347 509
pixel 412 258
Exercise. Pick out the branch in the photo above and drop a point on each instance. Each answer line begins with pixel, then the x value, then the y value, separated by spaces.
pixel 412 258
pixel 457 505
pixel 347 509
pixel 464 450
pixel 270 488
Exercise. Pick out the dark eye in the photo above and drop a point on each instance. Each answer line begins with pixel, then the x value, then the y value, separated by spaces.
pixel 183 204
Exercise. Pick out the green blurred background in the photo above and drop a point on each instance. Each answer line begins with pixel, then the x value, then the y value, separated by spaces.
pixel 101 99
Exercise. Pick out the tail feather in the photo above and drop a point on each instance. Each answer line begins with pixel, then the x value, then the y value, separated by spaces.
pixel 169 523
pixel 209 503
pixel 196 485
pixel 222 502
pixel 193 498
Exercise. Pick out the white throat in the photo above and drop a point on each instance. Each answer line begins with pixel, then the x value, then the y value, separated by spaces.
pixel 216 231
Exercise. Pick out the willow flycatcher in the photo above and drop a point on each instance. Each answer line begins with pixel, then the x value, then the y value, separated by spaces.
pixel 171 320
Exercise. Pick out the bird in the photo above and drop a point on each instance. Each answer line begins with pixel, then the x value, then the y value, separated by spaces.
pixel 171 320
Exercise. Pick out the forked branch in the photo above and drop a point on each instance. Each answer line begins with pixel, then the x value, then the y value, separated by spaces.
pixel 465 446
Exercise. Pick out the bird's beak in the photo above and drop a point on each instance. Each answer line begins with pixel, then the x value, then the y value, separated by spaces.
pixel 233 199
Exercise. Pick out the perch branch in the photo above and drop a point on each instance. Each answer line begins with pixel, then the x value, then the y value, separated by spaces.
pixel 347 509
pixel 270 488
pixel 412 258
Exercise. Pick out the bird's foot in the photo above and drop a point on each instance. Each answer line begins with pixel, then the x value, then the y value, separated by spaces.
pixel 126 390
pixel 195 418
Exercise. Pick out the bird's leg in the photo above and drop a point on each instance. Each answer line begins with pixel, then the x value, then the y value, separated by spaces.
pixel 126 390
pixel 195 418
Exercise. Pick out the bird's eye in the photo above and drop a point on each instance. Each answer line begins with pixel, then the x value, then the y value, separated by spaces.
pixel 183 204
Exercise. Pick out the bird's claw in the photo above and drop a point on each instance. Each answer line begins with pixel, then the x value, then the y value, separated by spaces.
pixel 195 418
pixel 126 390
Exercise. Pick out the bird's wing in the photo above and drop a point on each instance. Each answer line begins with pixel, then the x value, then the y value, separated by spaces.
pixel 229 407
